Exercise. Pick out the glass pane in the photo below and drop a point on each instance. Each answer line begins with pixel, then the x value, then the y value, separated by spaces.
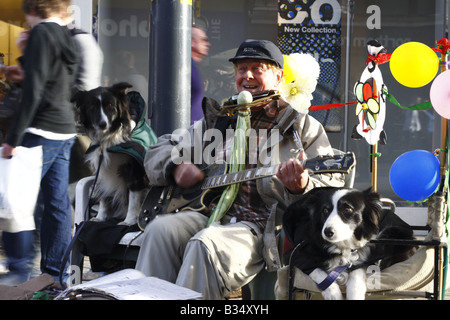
pixel 123 31
pixel 392 24
pixel 339 43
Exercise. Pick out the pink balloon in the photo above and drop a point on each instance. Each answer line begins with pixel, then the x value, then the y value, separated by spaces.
pixel 440 94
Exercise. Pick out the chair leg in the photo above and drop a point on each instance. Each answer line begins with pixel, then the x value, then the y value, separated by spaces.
pixel 261 287
pixel 76 264
pixel 291 282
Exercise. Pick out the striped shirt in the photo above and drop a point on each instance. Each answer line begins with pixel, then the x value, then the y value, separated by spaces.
pixel 248 204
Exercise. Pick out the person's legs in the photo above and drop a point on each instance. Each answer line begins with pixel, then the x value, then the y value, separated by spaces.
pixel 57 216
pixel 19 247
pixel 165 239
pixel 213 261
pixel 221 259
pixel 55 220
pixel 19 252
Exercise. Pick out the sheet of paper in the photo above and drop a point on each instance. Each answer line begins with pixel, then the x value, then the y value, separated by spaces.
pixel 131 284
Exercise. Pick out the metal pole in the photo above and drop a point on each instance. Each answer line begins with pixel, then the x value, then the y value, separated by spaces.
pixel 169 105
pixel 347 69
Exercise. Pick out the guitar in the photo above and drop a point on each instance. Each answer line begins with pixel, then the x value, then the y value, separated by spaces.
pixel 173 199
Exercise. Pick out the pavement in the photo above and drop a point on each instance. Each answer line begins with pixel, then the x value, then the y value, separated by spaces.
pixel 89 275
pixel 87 272
pixel 56 289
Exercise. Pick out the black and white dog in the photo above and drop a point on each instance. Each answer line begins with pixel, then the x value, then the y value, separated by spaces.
pixel 332 229
pixel 122 184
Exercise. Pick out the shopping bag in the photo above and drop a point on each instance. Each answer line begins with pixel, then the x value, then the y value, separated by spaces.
pixel 20 179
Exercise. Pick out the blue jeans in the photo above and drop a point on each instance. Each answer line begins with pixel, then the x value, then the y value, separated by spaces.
pixel 52 214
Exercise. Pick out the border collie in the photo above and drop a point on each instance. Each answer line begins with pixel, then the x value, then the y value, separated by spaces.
pixel 122 183
pixel 333 228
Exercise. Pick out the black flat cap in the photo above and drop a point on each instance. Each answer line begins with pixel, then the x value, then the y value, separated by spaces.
pixel 259 49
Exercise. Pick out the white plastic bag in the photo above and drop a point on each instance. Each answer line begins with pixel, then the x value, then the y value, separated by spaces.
pixel 20 179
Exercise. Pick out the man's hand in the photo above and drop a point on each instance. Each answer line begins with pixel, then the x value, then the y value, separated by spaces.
pixel 7 151
pixel 22 40
pixel 187 175
pixel 294 177
pixel 14 73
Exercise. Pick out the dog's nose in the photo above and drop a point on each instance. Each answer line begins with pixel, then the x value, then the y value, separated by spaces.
pixel 102 125
pixel 329 233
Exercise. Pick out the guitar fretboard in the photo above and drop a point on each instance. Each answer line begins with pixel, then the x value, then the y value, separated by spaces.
pixel 236 177
pixel 322 164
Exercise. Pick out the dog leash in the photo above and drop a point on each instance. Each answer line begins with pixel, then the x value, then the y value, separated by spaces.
pixel 332 277
pixel 77 233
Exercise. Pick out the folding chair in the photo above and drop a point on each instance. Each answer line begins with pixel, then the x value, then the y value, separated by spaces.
pixel 420 276
pixel 126 252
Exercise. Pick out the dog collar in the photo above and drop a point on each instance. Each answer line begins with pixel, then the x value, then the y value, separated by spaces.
pixel 332 277
pixel 335 273
pixel 92 147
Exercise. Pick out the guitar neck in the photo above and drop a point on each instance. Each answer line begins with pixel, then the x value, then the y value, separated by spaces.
pixel 322 164
pixel 237 177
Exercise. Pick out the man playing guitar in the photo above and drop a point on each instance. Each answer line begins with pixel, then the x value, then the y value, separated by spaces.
pixel 223 257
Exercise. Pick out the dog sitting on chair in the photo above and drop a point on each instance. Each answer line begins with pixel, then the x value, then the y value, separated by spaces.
pixel 122 184
pixel 330 230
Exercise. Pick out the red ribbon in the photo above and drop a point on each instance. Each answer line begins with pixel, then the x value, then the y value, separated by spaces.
pixel 443 46
pixel 379 58
pixel 330 106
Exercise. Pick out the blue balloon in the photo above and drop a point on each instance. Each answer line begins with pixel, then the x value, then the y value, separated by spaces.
pixel 414 176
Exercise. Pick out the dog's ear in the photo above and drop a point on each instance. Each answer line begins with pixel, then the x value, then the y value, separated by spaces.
pixel 289 223
pixel 78 97
pixel 298 214
pixel 119 89
pixel 374 206
pixel 124 118
pixel 372 199
pixel 301 213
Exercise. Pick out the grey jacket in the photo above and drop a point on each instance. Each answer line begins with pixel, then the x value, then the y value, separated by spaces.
pixel 161 158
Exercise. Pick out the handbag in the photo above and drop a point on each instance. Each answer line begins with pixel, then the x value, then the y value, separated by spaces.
pixel 10 96
pixel 20 179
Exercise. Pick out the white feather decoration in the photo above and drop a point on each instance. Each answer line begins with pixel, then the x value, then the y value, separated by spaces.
pixel 298 93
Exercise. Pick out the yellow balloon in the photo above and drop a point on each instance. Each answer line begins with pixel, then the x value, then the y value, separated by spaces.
pixel 414 64
pixel 290 69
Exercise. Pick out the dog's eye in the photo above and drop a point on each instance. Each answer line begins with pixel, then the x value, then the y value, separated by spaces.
pixel 326 211
pixel 348 211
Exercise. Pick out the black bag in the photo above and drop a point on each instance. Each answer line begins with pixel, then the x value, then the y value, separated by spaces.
pixel 10 96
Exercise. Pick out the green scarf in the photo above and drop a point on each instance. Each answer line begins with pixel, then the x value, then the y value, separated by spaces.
pixel 237 163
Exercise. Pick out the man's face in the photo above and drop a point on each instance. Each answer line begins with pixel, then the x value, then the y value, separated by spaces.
pixel 256 75
pixel 200 44
pixel 32 20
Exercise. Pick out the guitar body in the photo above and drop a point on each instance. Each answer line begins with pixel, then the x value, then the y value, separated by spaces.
pixel 172 199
